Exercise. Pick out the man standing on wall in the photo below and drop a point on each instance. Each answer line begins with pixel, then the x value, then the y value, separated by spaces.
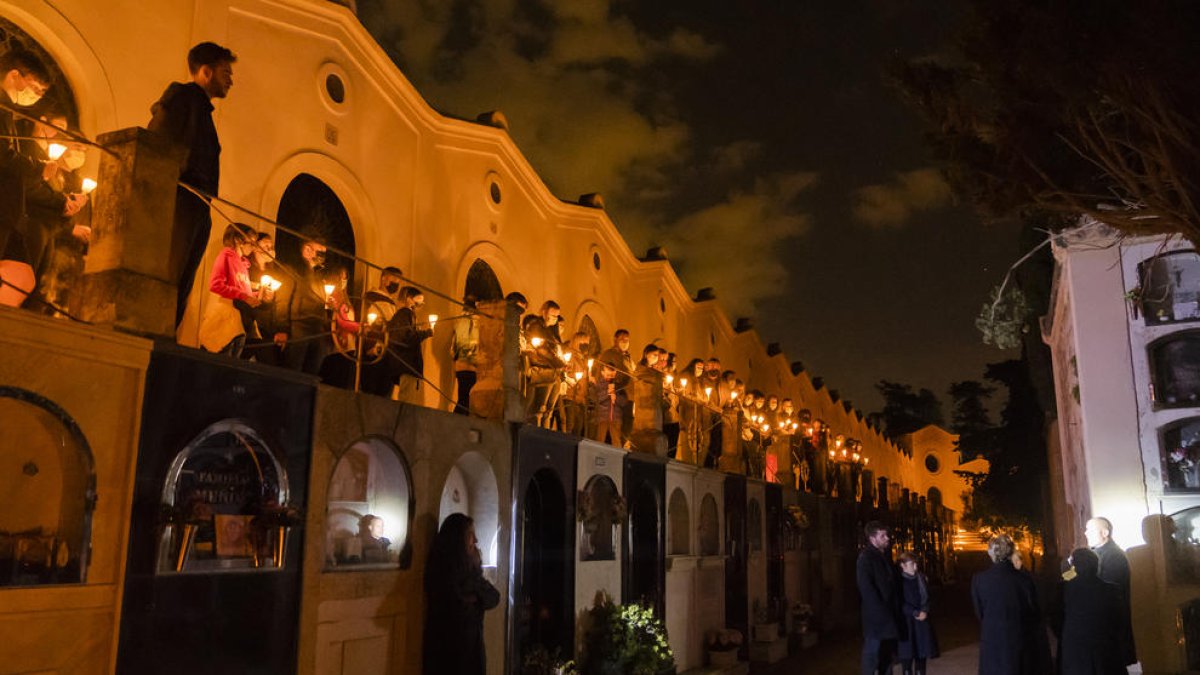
pixel 1114 568
pixel 184 115
pixel 878 585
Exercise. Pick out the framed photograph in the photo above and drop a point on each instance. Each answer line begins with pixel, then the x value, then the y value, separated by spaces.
pixel 233 536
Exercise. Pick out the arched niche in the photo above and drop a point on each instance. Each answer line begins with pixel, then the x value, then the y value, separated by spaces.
pixel 311 207
pixel 1180 455
pixel 482 282
pixel 1170 287
pixel 754 525
pixel 1175 370
pixel 600 510
pixel 710 526
pixel 679 530
pixel 545 606
pixel 224 501
pixel 369 508
pixel 470 489
pixel 47 492
pixel 588 327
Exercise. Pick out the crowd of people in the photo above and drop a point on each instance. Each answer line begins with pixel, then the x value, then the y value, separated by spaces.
pixel 610 394
pixel 42 193
pixel 1089 615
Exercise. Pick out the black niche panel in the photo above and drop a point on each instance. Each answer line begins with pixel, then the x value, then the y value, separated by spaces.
pixel 643 557
pixel 737 550
pixel 223 443
pixel 542 586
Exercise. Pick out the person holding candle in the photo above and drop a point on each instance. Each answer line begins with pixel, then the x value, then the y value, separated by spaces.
pixel 544 368
pixel 306 341
pixel 671 418
pixel 222 326
pixel 575 400
pixel 339 372
pixel 408 332
pixel 268 318
pixel 693 432
pixel 383 302
pixel 49 230
pixel 611 401
pixel 24 79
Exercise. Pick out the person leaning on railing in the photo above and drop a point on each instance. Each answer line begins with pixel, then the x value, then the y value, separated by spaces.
pixel 575 398
pixel 408 334
pixel 222 326
pixel 544 370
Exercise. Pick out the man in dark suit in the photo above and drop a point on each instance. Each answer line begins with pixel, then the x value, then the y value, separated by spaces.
pixel 878 584
pixel 1008 612
pixel 1091 643
pixel 1114 568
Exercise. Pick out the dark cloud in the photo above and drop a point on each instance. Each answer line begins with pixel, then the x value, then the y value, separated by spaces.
pixel 895 203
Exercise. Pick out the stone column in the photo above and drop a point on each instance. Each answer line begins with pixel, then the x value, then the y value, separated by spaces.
pixel 129 279
pixel 497 394
pixel 647 434
pixel 731 460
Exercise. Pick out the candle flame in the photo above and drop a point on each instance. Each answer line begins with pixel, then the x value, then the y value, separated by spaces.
pixel 55 150
pixel 88 185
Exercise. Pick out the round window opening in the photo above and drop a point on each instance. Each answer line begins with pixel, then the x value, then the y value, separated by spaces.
pixel 494 192
pixel 932 463
pixel 335 88
pixel 662 305
pixel 596 260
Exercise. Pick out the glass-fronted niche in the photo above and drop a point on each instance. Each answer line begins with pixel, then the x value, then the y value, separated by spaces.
pixel 1180 454
pixel 370 508
pixel 1170 287
pixel 1175 370
pixel 225 505
pixel 47 493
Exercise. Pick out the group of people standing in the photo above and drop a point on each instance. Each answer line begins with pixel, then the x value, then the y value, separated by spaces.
pixel 41 190
pixel 895 608
pixel 1089 617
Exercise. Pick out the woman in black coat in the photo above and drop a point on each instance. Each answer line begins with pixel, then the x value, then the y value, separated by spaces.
pixel 456 596
pixel 919 643
pixel 1008 612
pixel 1092 612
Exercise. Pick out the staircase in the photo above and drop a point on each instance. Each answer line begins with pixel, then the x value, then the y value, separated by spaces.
pixel 969 540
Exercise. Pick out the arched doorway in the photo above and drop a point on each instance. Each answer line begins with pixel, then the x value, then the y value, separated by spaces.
pixel 544 615
pixel 59 98
pixel 482 282
pixel 588 327
pixel 311 207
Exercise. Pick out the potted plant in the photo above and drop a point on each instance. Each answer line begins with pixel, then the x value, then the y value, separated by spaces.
pixel 722 646
pixel 624 640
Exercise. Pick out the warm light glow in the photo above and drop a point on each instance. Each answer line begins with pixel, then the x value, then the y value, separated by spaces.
pixel 578 375
pixel 270 283
pixel 854 456
pixel 55 150
pixel 88 185
pixel 670 379
pixel 766 428
pixel 329 290
pixel 433 318
pixel 371 317
pixel 536 342
pixel 733 396
pixel 683 381
pixel 707 391
pixel 590 362
pixel 566 357
pixel 832 453
pixel 845 452
pixel 866 460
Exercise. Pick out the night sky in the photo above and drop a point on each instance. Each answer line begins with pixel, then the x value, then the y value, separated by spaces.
pixel 759 142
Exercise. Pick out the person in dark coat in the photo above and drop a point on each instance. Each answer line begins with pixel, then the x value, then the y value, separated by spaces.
pixel 1114 568
pixel 184 116
pixel 920 642
pixel 456 596
pixel 1007 608
pixel 879 587
pixel 1092 623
